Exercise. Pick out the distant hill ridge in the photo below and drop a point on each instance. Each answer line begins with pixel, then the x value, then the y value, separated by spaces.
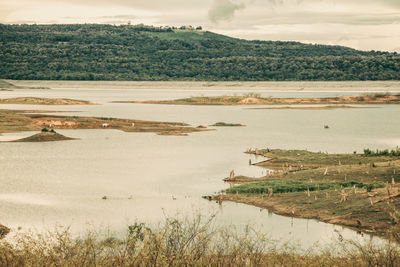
pixel 106 52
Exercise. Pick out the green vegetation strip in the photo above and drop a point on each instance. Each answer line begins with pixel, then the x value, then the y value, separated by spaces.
pixel 280 186
pixel 224 124
pixel 393 153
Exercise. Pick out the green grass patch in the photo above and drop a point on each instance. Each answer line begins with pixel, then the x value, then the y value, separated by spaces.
pixel 299 157
pixel 225 124
pixel 286 186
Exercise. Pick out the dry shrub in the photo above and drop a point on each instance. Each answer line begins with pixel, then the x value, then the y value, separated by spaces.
pixel 187 242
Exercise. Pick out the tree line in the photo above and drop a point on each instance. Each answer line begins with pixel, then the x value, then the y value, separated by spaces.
pixel 139 52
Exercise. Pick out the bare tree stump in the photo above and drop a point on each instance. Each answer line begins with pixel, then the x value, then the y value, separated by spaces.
pixel 4 231
pixel 344 196
pixel 270 192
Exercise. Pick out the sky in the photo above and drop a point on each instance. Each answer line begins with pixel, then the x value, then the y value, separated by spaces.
pixel 360 24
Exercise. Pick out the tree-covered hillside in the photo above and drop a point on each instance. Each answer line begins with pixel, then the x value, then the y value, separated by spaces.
pixel 106 52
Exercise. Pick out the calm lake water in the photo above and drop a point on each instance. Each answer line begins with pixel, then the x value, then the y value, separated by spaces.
pixel 147 177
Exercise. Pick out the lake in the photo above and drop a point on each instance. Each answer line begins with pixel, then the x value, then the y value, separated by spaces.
pixel 146 177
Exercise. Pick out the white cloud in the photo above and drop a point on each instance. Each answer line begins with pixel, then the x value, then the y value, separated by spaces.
pixel 362 24
pixel 223 10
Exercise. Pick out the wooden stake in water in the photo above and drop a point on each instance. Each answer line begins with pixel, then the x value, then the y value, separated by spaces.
pixel 232 175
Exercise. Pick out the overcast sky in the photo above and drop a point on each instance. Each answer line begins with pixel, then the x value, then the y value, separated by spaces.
pixel 361 24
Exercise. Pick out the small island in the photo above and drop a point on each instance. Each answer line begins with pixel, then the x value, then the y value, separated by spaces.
pixel 360 191
pixel 44 101
pixel 256 99
pixel 45 136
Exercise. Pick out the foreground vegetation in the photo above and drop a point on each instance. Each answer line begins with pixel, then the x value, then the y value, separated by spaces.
pixel 106 52
pixel 255 99
pixel 193 242
pixel 356 190
pixel 28 120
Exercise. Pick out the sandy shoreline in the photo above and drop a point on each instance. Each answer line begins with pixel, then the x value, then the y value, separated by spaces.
pixel 316 86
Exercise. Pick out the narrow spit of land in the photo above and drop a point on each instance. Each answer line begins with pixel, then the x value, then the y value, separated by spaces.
pixel 330 107
pixel 7 86
pixel 44 101
pixel 360 191
pixel 258 100
pixel 28 120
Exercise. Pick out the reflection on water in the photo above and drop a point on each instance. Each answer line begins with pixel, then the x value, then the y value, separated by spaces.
pixel 145 176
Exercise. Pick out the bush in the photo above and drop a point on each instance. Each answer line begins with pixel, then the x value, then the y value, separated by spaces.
pixel 392 153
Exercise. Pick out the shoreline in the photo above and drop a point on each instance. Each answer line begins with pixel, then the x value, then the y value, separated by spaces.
pixel 277 86
pixel 362 194
pixel 287 212
pixel 255 99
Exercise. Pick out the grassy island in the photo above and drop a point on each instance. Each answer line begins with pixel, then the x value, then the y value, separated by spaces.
pixel 254 99
pixel 44 101
pixel 360 191
pixel 28 120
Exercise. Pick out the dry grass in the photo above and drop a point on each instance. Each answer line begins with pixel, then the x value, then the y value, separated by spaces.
pixel 183 243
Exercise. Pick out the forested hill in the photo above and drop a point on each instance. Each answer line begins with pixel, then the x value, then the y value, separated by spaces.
pixel 106 52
